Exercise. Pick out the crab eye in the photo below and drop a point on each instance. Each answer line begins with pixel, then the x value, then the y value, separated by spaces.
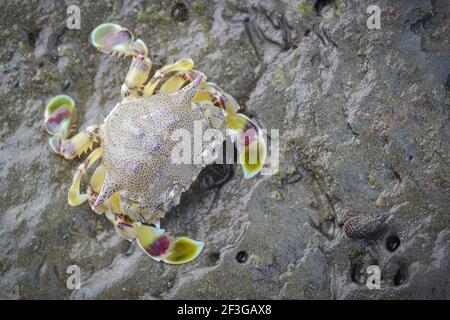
pixel 112 38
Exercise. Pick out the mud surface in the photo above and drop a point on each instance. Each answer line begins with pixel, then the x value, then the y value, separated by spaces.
pixel 363 120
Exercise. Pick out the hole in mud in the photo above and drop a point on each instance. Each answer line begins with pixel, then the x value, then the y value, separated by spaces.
pixel 320 4
pixel 180 12
pixel 396 175
pixel 31 37
pixel 392 242
pixel 242 256
pixel 214 257
pixel 355 273
pixel 214 176
pixel 307 32
pixel 400 276
pixel 66 85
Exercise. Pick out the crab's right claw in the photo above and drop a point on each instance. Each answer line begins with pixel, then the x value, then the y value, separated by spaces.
pixel 250 141
pixel 112 38
pixel 58 114
pixel 161 247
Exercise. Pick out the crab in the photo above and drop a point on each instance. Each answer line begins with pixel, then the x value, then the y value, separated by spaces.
pixel 134 181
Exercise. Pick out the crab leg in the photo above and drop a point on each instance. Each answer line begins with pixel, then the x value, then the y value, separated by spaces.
pixel 161 247
pixel 247 134
pixel 180 65
pixel 208 91
pixel 114 39
pixel 81 142
pixel 176 82
pixel 123 224
pixel 95 184
pixel 74 196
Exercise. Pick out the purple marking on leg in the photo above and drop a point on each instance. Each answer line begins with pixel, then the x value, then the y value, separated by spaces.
pixel 59 114
pixel 248 137
pixel 121 225
pixel 223 100
pixel 67 148
pixel 159 247
pixel 117 38
pixel 140 64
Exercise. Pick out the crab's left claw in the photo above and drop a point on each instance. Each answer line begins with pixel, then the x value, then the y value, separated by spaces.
pixel 112 38
pixel 250 141
pixel 161 247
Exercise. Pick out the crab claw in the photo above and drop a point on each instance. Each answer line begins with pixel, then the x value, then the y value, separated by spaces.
pixel 251 144
pixel 253 158
pixel 161 247
pixel 58 113
pixel 79 143
pixel 112 38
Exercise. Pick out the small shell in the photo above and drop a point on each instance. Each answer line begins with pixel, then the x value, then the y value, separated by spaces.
pixel 364 226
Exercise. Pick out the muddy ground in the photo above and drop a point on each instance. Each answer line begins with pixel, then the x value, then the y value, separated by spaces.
pixel 364 128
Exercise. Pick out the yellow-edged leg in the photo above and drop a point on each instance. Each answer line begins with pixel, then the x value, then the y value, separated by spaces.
pixel 114 39
pixel 160 246
pixel 95 184
pixel 74 196
pixel 180 65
